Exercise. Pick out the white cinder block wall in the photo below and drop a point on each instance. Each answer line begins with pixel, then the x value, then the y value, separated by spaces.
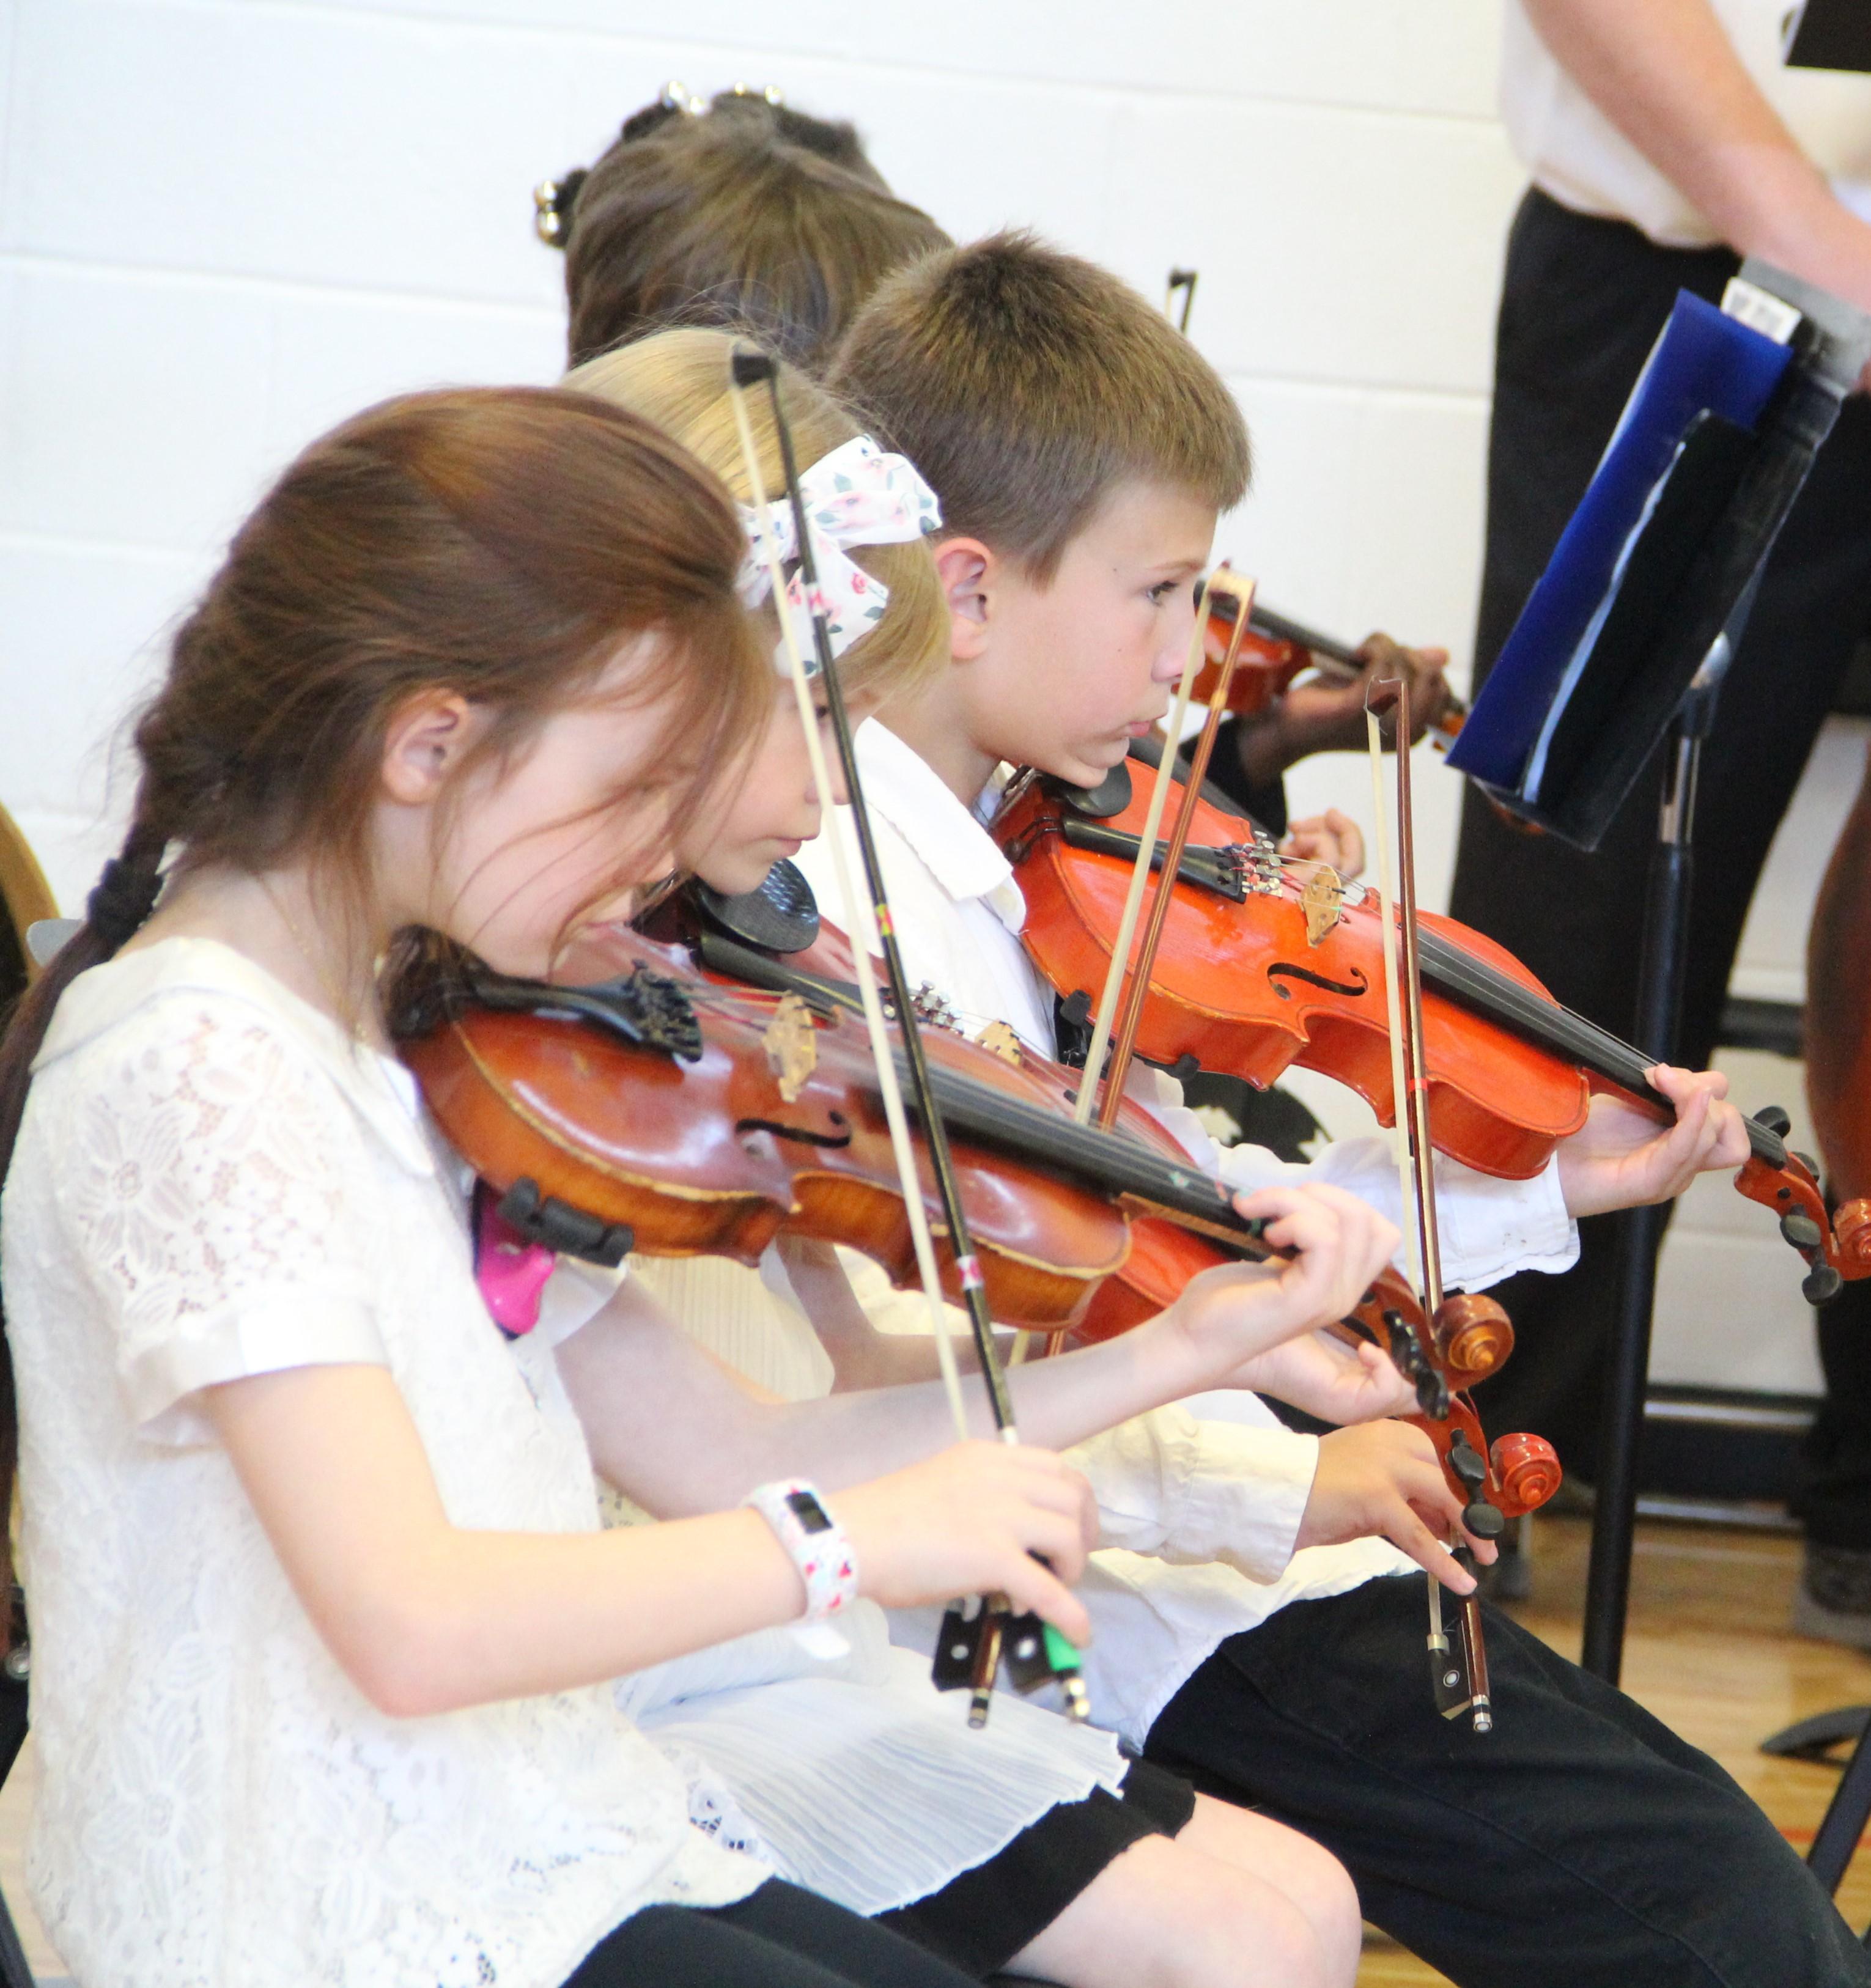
pixel 225 224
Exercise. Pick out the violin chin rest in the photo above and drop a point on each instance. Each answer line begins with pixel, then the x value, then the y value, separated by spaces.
pixel 1110 796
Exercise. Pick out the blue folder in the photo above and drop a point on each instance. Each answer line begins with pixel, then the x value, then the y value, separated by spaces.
pixel 1707 374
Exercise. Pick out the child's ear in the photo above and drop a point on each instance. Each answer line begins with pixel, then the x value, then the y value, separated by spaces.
pixel 967 569
pixel 426 740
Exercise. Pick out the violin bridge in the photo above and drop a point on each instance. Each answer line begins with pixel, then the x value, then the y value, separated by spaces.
pixel 1322 902
pixel 1002 1040
pixel 791 1043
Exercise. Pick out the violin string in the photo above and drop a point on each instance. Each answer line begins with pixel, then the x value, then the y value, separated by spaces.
pixel 1116 1158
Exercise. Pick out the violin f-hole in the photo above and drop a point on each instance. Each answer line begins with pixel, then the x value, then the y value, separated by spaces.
pixel 799 1134
pixel 1284 969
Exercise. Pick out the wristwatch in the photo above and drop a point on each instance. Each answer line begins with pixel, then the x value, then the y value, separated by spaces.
pixel 820 1551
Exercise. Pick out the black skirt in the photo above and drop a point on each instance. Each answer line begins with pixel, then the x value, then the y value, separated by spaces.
pixel 978 1921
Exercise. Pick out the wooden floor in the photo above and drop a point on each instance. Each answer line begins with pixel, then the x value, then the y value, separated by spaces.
pixel 1709 1652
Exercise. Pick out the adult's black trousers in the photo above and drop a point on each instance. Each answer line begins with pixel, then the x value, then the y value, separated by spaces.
pixel 1582 302
pixel 1580 1844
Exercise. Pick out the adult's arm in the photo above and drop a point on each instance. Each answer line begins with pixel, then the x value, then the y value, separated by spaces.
pixel 1666 76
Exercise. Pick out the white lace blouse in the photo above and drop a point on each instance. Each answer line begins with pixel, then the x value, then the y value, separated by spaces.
pixel 213 1181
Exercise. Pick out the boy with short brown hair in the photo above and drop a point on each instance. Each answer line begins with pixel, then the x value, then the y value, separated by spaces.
pixel 1088 386
pixel 1581 1842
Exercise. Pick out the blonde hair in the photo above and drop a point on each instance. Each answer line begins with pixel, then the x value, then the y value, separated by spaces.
pixel 679 380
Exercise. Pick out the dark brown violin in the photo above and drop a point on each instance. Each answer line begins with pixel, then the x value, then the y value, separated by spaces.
pixel 660 1111
pixel 706 1119
pixel 1265 962
pixel 1468 1339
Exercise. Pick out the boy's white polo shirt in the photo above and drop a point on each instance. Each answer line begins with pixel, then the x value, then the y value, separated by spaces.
pixel 1199 1513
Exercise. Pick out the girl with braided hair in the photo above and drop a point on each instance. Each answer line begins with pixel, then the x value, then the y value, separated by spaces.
pixel 325 1623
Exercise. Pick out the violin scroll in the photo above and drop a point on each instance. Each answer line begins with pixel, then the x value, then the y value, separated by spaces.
pixel 1526 1469
pixel 1836 1244
pixel 1474 1338
pixel 1852 1233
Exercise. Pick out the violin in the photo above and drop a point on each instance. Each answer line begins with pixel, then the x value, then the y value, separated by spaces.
pixel 1265 962
pixel 1273 651
pixel 1468 1338
pixel 659 1110
pixel 705 1121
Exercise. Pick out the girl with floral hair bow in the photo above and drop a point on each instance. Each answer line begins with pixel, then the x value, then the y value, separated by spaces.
pixel 1030 1846
pixel 857 495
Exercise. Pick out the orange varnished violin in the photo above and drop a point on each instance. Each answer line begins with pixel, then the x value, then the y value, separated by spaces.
pixel 706 1119
pixel 1266 961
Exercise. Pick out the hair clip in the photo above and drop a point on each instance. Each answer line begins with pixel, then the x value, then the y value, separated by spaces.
pixel 678 97
pixel 553 200
pixel 770 93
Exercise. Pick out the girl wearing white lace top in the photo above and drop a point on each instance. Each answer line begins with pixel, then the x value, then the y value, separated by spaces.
pixel 322 1615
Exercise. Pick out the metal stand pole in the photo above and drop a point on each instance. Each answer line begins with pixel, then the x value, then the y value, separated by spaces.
pixel 1659 1007
pixel 1835 1839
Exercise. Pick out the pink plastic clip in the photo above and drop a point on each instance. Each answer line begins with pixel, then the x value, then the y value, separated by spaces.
pixel 511 1271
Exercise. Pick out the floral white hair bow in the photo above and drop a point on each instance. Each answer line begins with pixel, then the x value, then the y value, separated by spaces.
pixel 857 495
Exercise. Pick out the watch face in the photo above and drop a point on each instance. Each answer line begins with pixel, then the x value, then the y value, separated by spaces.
pixel 808 1511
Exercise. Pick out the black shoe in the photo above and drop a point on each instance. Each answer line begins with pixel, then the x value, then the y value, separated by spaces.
pixel 1833 1599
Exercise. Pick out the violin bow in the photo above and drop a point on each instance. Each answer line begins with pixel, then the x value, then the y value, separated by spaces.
pixel 1181 282
pixel 1410 1111
pixel 1088 1100
pixel 1036 1652
pixel 1136 989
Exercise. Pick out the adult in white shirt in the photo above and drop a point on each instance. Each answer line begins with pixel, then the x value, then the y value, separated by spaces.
pixel 1581 1842
pixel 1664 142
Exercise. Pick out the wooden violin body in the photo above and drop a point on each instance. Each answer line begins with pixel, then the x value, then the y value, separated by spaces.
pixel 694 1116
pixel 1255 973
pixel 1273 653
pixel 1241 985
pixel 1468 1339
pixel 713 1147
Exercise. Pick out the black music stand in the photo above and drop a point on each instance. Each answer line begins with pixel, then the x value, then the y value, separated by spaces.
pixel 1622 648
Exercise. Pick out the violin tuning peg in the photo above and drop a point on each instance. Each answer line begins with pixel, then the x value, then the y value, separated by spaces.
pixel 1806 1160
pixel 1820 1285
pixel 1801 1231
pixel 1776 1120
pixel 1484 1520
pixel 1464 1461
